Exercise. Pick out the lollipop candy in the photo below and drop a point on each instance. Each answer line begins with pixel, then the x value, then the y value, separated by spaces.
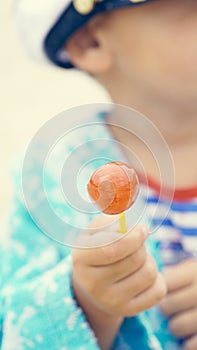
pixel 113 188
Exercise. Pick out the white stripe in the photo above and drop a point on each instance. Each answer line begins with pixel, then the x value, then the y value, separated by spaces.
pixel 158 211
pixel 180 219
pixel 168 234
pixel 34 19
pixel 190 244
pixel 147 192
pixel 185 220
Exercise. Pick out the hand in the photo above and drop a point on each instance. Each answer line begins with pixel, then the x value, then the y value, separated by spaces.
pixel 120 279
pixel 114 281
pixel 181 301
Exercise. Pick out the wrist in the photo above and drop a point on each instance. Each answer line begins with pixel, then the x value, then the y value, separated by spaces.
pixel 104 324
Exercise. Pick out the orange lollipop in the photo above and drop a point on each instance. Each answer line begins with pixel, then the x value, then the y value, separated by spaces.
pixel 113 188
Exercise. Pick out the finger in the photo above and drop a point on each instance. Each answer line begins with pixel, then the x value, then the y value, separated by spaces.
pixel 101 223
pixel 179 301
pixel 148 298
pixel 138 282
pixel 123 268
pixel 97 240
pixel 116 251
pixel 191 344
pixel 177 276
pixel 100 231
pixel 184 324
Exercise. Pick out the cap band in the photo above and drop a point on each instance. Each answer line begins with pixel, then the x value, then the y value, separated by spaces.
pixel 45 26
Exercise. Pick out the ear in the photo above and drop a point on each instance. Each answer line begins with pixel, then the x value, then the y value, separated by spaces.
pixel 88 49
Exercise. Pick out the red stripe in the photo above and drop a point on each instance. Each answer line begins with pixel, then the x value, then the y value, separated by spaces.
pixel 180 194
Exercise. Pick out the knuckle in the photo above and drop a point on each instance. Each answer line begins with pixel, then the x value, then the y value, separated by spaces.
pixel 176 327
pixel 151 269
pixel 75 259
pixel 110 301
pixel 139 237
pixel 111 253
pixel 127 312
pixel 117 274
pixel 139 258
pixel 91 287
pixel 135 238
pixel 130 310
pixel 114 301
pixel 161 289
pixel 164 309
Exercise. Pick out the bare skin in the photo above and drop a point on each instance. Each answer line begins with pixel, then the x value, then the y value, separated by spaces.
pixel 116 281
pixel 181 301
pixel 154 71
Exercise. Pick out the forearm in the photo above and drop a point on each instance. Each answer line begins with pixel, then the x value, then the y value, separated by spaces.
pixel 105 326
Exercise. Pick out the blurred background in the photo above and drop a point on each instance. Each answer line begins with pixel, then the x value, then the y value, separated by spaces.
pixel 31 93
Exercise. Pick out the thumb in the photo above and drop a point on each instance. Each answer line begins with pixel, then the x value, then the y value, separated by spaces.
pixel 101 231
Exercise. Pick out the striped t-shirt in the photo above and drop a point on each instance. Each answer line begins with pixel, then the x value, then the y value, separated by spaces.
pixel 176 235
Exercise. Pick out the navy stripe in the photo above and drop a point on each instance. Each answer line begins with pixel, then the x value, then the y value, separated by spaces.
pixel 165 222
pixel 188 231
pixel 184 207
pixel 175 246
pixel 168 223
pixel 153 200
pixel 175 206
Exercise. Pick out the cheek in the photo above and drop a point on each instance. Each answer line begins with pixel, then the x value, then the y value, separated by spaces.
pixel 161 60
pixel 158 49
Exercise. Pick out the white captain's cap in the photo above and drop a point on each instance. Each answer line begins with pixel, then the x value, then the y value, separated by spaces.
pixel 45 26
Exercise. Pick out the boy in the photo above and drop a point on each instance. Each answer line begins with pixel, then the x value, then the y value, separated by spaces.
pixel 131 51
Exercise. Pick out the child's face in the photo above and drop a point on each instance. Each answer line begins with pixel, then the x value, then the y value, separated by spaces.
pixel 156 44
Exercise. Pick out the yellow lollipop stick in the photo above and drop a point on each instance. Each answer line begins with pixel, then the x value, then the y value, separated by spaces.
pixel 122 222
